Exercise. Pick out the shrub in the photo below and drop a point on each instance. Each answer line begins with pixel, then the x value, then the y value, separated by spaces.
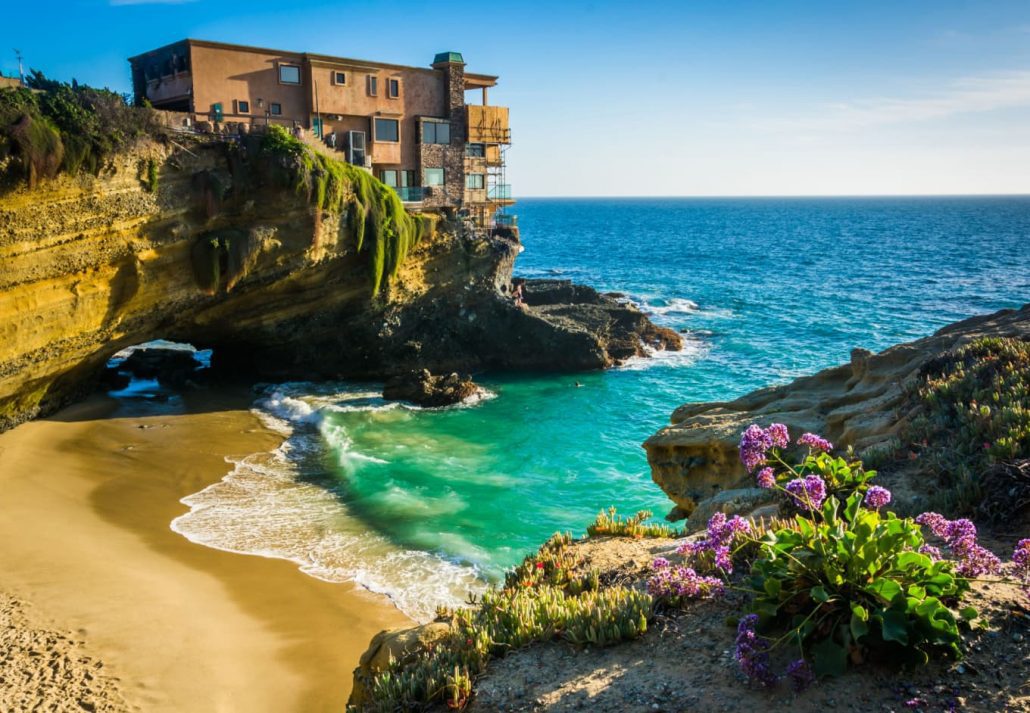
pixel 540 600
pixel 613 525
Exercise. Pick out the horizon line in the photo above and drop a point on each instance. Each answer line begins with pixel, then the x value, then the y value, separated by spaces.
pixel 786 195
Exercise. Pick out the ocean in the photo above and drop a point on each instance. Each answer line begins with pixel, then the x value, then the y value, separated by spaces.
pixel 427 505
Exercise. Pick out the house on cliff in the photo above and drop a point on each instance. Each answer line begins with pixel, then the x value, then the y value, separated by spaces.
pixel 410 126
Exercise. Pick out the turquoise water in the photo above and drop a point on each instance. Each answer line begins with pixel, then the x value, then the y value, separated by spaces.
pixel 765 289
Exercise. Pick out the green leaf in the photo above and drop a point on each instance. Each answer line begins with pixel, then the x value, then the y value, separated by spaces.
pixel 829 658
pixel 886 589
pixel 853 504
pixel 895 627
pixel 819 594
pixel 968 613
pixel 859 625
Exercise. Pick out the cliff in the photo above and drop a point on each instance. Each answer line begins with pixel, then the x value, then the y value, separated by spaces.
pixel 274 263
pixel 866 404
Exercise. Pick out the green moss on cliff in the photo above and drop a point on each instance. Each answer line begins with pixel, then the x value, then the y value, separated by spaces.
pixel 379 225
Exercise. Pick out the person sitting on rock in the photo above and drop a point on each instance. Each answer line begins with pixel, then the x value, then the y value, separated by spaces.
pixel 516 294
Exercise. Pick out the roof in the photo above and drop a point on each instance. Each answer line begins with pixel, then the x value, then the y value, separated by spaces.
pixel 478 79
pixel 448 57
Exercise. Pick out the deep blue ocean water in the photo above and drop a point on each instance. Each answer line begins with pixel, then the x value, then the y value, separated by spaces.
pixel 425 504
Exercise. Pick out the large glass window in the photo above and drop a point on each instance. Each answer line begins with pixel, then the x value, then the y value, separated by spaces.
pixel 389 177
pixel 436 132
pixel 387 130
pixel 475 181
pixel 433 177
pixel 475 150
pixel 289 74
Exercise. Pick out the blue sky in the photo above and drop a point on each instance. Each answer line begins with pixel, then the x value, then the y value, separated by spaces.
pixel 695 97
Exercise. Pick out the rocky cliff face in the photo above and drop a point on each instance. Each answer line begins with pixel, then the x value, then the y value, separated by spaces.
pixel 217 254
pixel 863 404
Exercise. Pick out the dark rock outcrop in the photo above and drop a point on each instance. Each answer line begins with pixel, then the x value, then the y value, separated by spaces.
pixel 424 389
pixel 863 404
pixel 174 368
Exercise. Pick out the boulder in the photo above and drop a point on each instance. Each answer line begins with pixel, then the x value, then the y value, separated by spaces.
pixel 174 368
pixel 863 404
pixel 392 645
pixel 424 389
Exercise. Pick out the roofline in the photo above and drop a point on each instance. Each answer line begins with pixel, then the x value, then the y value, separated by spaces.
pixel 329 59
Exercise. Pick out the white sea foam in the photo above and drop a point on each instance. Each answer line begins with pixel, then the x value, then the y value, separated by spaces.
pixel 693 350
pixel 264 507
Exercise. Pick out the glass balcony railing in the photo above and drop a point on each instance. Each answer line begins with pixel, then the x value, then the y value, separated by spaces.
pixel 500 192
pixel 411 194
pixel 506 220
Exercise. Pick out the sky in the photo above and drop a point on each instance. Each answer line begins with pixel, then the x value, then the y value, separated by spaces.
pixel 696 97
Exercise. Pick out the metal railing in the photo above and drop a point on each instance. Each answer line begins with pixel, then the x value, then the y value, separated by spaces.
pixel 411 194
pixel 506 220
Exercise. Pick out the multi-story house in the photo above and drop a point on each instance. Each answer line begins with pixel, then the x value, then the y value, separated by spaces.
pixel 410 126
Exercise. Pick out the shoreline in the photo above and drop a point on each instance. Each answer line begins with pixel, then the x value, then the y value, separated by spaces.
pixel 86 500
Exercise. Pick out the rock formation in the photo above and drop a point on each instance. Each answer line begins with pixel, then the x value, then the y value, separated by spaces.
pixel 861 404
pixel 212 250
pixel 424 389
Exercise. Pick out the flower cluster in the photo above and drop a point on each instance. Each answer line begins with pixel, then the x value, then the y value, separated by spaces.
pixel 766 478
pixel 752 652
pixel 670 582
pixel 756 441
pixel 714 548
pixel 808 492
pixel 800 675
pixel 876 497
pixel 1021 558
pixel 816 443
pixel 960 538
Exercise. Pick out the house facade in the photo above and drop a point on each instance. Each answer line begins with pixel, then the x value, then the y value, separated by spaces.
pixel 411 126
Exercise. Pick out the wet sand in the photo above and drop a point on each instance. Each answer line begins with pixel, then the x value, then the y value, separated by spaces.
pixel 86 498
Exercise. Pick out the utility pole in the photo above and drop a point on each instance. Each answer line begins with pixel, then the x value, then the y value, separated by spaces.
pixel 21 69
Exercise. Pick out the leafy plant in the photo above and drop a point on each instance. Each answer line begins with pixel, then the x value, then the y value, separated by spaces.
pixel 610 524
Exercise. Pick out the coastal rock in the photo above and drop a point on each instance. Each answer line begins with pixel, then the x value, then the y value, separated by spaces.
pixel 171 367
pixel 739 501
pixel 862 404
pixel 424 389
pixel 392 645
pixel 223 256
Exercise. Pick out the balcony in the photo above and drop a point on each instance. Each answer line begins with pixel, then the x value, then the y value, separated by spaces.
pixel 411 194
pixel 506 220
pixel 499 192
pixel 488 124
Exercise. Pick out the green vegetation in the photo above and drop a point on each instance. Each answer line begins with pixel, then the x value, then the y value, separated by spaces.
pixel 849 581
pixel 380 226
pixel 541 600
pixel 610 524
pixel 66 128
pixel 150 177
pixel 221 259
pixel 975 411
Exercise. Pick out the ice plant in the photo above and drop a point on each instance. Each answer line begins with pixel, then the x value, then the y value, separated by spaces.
pixel 877 497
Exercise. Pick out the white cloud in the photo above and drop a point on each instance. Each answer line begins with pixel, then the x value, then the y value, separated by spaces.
pixel 1006 90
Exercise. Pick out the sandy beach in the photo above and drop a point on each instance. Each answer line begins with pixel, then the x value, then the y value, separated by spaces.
pixel 103 603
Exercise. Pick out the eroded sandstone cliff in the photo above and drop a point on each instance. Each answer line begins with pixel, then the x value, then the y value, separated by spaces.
pixel 199 243
pixel 863 404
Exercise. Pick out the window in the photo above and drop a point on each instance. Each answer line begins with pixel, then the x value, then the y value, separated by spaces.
pixel 475 150
pixel 275 109
pixel 387 130
pixel 475 181
pixel 433 177
pixel 407 178
pixel 393 88
pixel 373 85
pixel 289 74
pixel 389 178
pixel 436 132
pixel 339 78
pixel 243 107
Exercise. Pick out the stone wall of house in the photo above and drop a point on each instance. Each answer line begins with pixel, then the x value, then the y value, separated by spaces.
pixel 450 157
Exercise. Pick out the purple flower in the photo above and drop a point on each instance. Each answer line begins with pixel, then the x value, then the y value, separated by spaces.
pixel 752 652
pixel 1021 555
pixel 808 492
pixel 930 551
pixel 766 478
pixel 960 537
pixel 817 443
pixel 659 563
pixel 754 442
pixel 677 583
pixel 876 497
pixel 778 434
pixel 800 675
